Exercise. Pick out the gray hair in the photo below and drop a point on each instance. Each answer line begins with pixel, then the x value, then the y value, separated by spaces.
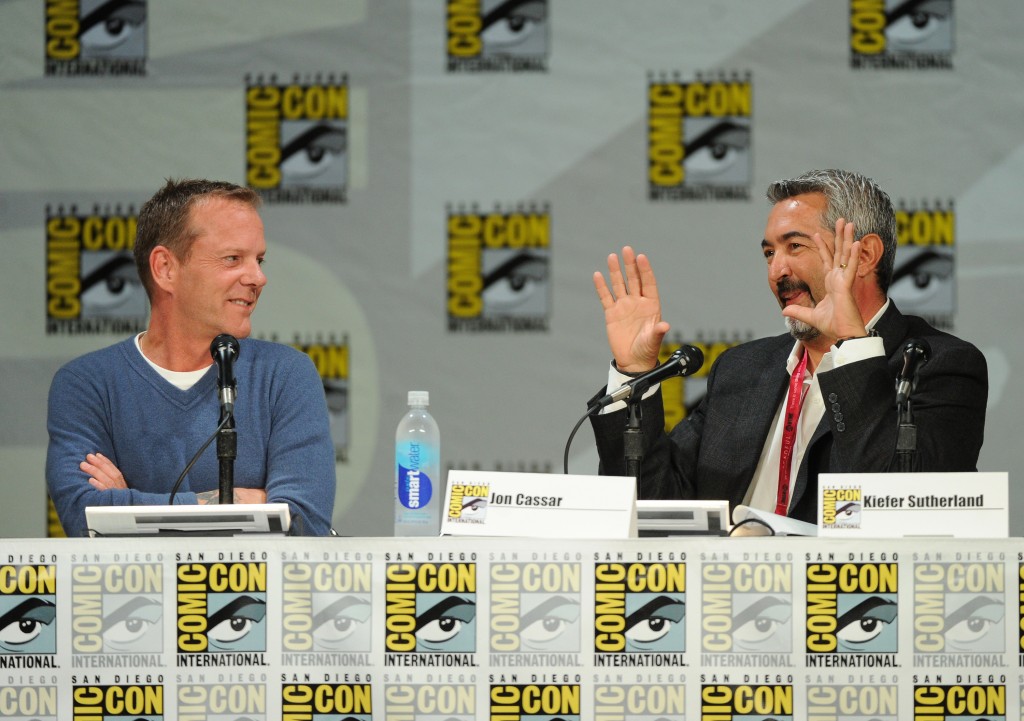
pixel 857 199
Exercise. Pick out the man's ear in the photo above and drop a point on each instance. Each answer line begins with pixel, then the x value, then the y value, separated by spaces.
pixel 163 266
pixel 871 251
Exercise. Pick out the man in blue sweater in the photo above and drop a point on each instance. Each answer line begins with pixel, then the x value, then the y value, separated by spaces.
pixel 124 421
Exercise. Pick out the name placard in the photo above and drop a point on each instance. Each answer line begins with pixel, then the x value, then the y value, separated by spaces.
pixel 539 505
pixel 899 505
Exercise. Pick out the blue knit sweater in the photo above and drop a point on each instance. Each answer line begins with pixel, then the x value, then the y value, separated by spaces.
pixel 113 402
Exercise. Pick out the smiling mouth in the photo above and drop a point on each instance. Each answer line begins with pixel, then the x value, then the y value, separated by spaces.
pixel 790 293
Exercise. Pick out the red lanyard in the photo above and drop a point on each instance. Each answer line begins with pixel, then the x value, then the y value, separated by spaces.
pixel 793 402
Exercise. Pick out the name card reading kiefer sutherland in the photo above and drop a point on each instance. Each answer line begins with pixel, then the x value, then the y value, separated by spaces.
pixel 539 505
pixel 900 505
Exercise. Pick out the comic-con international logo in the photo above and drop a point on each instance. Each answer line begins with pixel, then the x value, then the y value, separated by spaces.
pixel 540 701
pixel 698 137
pixel 467 502
pixel 831 702
pixel 641 701
pixel 639 614
pixel 959 614
pixel 535 614
pixel 29 697
pixel 326 614
pixel 901 34
pixel 497 35
pixel 92 286
pixel 746 614
pixel 430 614
pixel 221 613
pixel 96 37
pixel 138 702
pixel 681 395
pixel 297 138
pixel 352 702
pixel 923 279
pixel 28 611
pixel 852 614
pixel 117 611
pixel 964 702
pixel 430 701
pixel 747 702
pixel 841 506
pixel 331 357
pixel 216 701
pixel 499 269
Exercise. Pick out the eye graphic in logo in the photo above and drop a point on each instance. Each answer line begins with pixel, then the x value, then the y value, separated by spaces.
pixel 718 153
pixel 342 625
pixel 515 27
pixel 848 512
pixel 115 28
pixel 868 627
pixel 27 627
pixel 517 283
pixel 763 624
pixel 238 625
pixel 550 624
pixel 133 625
pixel 924 281
pixel 976 625
pixel 315 153
pixel 657 625
pixel 920 26
pixel 473 507
pixel 112 287
pixel 447 625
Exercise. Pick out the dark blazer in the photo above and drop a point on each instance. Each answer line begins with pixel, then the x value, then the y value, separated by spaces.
pixel 714 451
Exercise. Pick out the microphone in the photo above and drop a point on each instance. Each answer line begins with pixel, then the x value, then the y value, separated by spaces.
pixel 916 352
pixel 685 361
pixel 224 350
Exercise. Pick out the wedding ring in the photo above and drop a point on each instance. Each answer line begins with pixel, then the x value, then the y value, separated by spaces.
pixel 843 266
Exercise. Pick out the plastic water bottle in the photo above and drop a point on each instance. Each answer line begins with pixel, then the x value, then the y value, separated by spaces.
pixel 419 491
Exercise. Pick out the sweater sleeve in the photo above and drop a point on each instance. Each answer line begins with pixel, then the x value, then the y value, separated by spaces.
pixel 300 452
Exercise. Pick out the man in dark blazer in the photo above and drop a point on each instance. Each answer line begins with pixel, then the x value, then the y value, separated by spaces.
pixel 829 245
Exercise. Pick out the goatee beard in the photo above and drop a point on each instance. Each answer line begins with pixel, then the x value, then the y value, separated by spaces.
pixel 800 330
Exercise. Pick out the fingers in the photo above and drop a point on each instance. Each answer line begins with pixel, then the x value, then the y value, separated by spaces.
pixel 102 471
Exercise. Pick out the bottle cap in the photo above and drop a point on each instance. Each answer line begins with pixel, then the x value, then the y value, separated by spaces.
pixel 419 398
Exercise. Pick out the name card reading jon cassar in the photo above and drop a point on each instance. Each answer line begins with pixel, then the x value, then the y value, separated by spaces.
pixel 900 505
pixel 539 505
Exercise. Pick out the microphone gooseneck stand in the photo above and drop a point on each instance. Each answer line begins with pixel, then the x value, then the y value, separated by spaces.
pixel 906 438
pixel 227 451
pixel 633 439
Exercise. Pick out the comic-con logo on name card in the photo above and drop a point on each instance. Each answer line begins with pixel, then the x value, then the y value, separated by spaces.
pixel 747 614
pixel 430 701
pixel 959 614
pixel 681 395
pixel 901 35
pixel 663 700
pixel 499 268
pixel 326 614
pixel 852 614
pixel 639 614
pixel 965 702
pixel 467 502
pixel 221 612
pixel 923 278
pixel 96 37
pixel 215 701
pixel 841 506
pixel 117 611
pixel 746 701
pixel 430 613
pixel 879 702
pixel 497 36
pixel 139 702
pixel 353 702
pixel 28 613
pixel 331 357
pixel 699 136
pixel 535 614
pixel 540 701
pixel 297 138
pixel 92 285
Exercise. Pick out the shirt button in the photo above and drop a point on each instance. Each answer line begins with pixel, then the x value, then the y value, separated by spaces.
pixel 832 397
pixel 840 427
pixel 835 407
pixel 839 416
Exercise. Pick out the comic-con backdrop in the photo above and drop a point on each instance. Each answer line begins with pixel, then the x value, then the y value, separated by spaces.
pixel 442 177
